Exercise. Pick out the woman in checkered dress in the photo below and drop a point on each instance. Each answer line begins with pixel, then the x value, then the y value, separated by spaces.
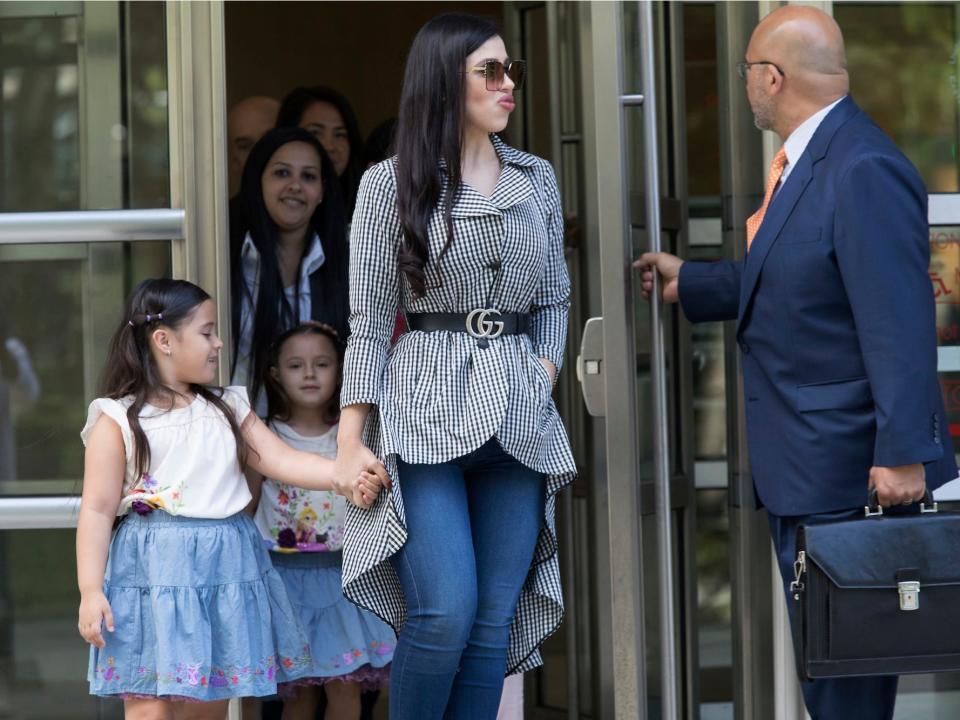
pixel 464 234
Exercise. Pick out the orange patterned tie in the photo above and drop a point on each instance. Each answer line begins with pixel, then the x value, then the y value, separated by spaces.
pixel 776 170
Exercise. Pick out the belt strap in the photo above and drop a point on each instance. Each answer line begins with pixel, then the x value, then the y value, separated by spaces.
pixel 479 323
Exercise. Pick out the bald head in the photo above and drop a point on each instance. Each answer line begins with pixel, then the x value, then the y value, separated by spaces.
pixel 805 38
pixel 247 122
pixel 806 45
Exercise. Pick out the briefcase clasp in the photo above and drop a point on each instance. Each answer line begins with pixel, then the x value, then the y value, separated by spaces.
pixel 909 595
pixel 799 568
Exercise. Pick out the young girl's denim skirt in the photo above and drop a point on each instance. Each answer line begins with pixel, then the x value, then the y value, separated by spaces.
pixel 199 613
pixel 347 643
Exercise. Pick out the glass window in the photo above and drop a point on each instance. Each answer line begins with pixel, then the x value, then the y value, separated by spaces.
pixel 705 243
pixel 702 105
pixel 59 306
pixel 43 659
pixel 83 115
pixel 709 382
pixel 902 59
pixel 715 636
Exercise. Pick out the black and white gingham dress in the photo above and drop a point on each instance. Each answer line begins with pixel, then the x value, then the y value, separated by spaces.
pixel 439 395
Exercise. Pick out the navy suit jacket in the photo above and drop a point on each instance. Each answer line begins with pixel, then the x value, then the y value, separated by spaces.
pixel 835 321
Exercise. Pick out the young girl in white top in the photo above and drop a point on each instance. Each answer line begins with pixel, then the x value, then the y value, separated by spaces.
pixel 351 648
pixel 192 606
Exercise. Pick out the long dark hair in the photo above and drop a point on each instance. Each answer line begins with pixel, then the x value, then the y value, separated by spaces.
pixel 291 112
pixel 430 132
pixel 272 312
pixel 131 369
pixel 278 404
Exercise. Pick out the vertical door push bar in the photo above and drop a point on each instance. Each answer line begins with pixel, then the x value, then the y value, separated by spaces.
pixel 590 369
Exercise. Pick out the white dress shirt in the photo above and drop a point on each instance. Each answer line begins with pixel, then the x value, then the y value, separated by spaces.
pixel 798 140
pixel 250 262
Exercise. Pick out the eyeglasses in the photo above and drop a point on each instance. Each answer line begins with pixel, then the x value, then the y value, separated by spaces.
pixel 743 66
pixel 494 71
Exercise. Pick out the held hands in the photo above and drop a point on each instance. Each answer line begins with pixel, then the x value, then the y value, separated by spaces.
pixel 94 613
pixel 898 485
pixel 359 475
pixel 669 268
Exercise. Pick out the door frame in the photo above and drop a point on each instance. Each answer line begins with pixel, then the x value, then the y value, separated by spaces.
pixel 622 505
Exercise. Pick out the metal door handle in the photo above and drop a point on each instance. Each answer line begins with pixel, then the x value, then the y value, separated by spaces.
pixel 590 368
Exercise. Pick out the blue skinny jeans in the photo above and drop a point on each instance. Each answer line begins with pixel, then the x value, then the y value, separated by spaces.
pixel 473 524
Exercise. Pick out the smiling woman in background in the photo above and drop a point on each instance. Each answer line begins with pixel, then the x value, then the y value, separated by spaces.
pixel 288 253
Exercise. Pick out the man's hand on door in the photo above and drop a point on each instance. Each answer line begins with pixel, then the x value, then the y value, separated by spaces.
pixel 669 268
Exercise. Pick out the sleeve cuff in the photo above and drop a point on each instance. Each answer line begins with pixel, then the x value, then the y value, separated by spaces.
pixel 887 455
pixel 348 400
pixel 551 353
pixel 363 367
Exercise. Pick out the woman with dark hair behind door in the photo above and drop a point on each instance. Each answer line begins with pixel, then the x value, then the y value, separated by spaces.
pixel 288 250
pixel 465 235
pixel 328 116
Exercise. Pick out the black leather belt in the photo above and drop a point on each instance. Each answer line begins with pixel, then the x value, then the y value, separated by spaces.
pixel 481 324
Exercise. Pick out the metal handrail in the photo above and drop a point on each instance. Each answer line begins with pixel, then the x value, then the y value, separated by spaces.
pixel 34 513
pixel 658 379
pixel 91 226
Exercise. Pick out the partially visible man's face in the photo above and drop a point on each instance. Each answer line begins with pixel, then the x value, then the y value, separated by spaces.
pixel 247 122
pixel 761 104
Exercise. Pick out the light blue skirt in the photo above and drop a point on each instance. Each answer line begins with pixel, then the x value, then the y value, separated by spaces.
pixel 347 643
pixel 199 612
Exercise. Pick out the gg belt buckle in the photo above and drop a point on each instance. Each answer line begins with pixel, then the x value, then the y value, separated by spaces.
pixel 481 327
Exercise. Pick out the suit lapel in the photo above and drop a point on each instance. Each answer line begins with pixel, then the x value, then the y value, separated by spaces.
pixel 780 209
pixel 786 199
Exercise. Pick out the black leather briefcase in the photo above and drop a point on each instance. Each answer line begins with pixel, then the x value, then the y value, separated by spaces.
pixel 878 595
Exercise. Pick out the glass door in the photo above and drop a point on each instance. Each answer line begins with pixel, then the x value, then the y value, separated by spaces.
pixel 92 201
pixel 548 124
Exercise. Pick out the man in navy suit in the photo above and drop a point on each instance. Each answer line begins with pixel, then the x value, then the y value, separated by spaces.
pixel 834 312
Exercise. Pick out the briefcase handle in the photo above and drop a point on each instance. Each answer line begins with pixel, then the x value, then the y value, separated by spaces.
pixel 872 508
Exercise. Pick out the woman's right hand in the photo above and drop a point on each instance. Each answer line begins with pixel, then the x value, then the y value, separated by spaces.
pixel 359 474
pixel 95 611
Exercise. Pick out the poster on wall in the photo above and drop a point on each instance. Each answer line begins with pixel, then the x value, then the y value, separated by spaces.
pixel 945 281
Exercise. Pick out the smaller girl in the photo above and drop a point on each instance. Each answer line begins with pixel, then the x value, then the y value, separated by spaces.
pixel 351 648
pixel 192 606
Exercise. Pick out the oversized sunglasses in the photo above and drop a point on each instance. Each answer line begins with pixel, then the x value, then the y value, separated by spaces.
pixel 494 71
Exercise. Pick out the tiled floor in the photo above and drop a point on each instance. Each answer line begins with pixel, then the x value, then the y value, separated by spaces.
pixel 943 705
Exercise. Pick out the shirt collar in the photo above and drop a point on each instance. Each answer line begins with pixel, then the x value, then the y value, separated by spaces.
pixel 513 186
pixel 313 259
pixel 801 137
pixel 511 155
